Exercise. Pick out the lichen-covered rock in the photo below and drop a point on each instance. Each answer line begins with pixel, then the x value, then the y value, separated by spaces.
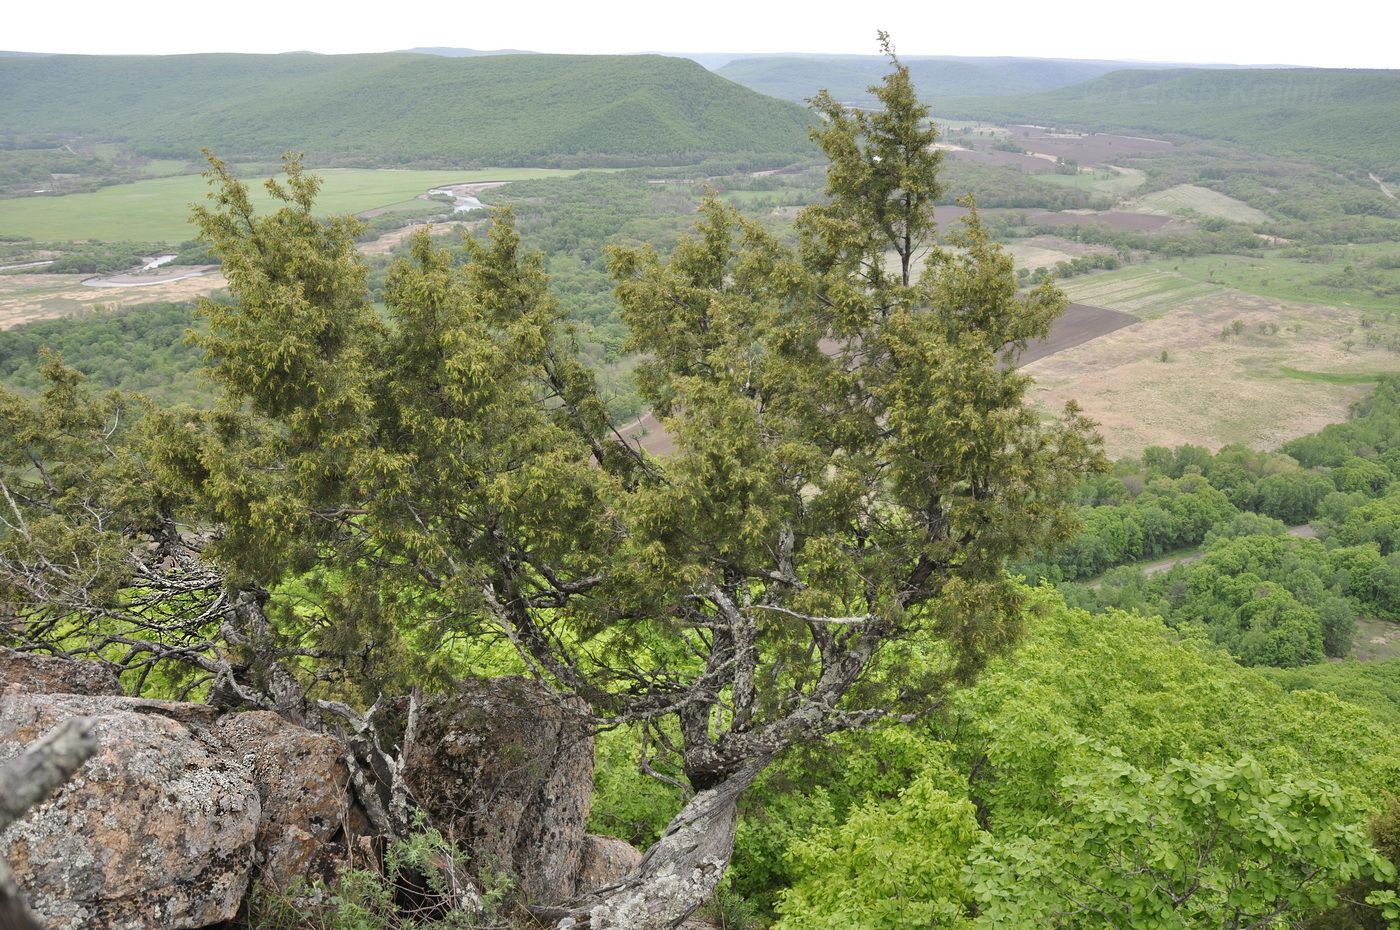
pixel 303 782
pixel 156 830
pixel 605 860
pixel 36 674
pixel 508 773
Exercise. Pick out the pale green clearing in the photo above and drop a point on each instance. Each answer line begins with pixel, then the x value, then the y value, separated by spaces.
pixel 1028 253
pixel 1110 180
pixel 165 167
pixel 948 127
pixel 1190 198
pixel 1145 291
pixel 158 210
pixel 1047 251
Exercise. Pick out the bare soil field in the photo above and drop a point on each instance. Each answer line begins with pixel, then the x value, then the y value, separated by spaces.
pixel 649 435
pixel 1213 391
pixel 25 298
pixel 1094 148
pixel 1079 324
pixel 1045 251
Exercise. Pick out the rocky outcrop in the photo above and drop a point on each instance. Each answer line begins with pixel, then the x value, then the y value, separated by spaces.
pixel 177 813
pixel 184 806
pixel 507 773
pixel 605 860
pixel 157 829
pixel 36 674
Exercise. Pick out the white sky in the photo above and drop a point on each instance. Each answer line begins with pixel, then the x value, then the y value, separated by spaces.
pixel 1340 33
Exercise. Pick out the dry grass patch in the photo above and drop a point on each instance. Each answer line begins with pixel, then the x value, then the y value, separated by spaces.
pixel 394 237
pixel 1214 391
pixel 1375 640
pixel 25 298
pixel 1201 200
pixel 1046 251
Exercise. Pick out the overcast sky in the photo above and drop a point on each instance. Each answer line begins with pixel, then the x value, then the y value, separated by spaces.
pixel 1340 33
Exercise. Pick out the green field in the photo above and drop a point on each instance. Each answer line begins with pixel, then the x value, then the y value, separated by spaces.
pixel 1341 276
pixel 1146 291
pixel 158 210
pixel 1330 377
pixel 1110 180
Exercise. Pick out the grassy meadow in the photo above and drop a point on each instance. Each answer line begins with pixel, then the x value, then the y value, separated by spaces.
pixel 1352 276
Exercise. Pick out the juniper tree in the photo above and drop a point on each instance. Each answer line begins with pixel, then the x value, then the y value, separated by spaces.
pixel 826 549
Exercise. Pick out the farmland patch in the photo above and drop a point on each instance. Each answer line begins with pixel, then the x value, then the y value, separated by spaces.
pixel 1195 199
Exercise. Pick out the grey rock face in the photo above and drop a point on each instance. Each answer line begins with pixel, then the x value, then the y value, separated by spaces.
pixel 508 774
pixel 183 807
pixel 36 674
pixel 179 810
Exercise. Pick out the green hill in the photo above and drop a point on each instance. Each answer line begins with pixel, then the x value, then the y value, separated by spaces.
pixel 398 108
pixel 848 77
pixel 1345 114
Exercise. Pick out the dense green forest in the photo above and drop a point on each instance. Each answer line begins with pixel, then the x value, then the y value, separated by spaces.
pixel 397 109
pixel 140 348
pixel 1028 802
pixel 1345 115
pixel 1268 596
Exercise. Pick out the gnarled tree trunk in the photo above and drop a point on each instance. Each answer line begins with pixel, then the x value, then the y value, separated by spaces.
pixel 677 874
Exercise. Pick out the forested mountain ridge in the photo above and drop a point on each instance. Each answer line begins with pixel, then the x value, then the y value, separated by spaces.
pixel 398 108
pixel 1336 113
pixel 849 77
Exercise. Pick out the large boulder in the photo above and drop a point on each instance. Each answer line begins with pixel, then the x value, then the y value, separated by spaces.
pixel 156 830
pixel 605 861
pixel 507 771
pixel 37 674
pixel 308 818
